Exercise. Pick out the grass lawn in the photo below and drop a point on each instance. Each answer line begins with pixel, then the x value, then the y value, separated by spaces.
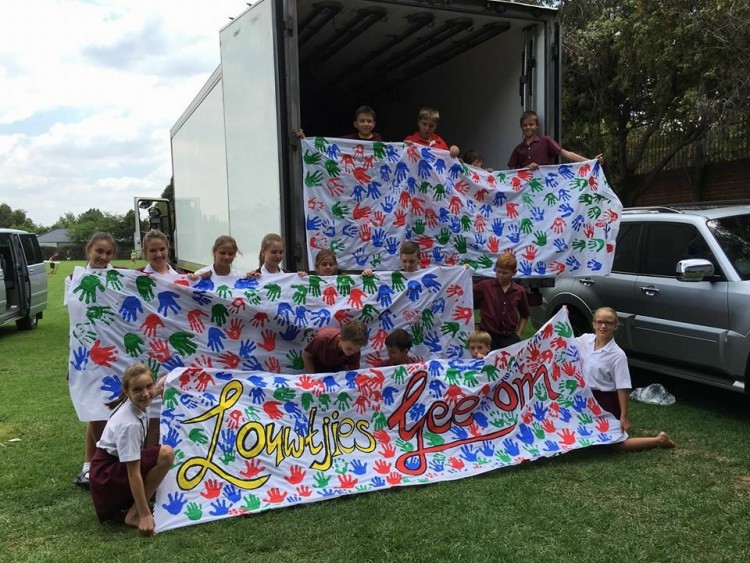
pixel 687 504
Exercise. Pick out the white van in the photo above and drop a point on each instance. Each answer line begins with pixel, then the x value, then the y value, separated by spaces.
pixel 23 279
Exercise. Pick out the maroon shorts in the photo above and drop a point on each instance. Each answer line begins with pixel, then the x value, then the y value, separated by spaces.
pixel 109 484
pixel 609 401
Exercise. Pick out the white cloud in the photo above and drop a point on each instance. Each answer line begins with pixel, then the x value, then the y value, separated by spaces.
pixel 90 91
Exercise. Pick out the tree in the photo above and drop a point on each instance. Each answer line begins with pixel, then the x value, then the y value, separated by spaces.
pixel 94 220
pixel 16 219
pixel 637 69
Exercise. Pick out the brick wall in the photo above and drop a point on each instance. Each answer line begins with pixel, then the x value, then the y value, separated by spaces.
pixel 721 181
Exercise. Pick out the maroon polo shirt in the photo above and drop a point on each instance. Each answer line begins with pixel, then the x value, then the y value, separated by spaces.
pixel 327 356
pixel 541 150
pixel 435 141
pixel 375 137
pixel 501 311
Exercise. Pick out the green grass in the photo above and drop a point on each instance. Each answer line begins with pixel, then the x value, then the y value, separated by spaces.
pixel 687 504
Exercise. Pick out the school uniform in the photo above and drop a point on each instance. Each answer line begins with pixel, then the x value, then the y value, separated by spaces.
pixel 501 311
pixel 375 137
pixel 122 441
pixel 326 354
pixel 435 141
pixel 217 279
pixel 541 150
pixel 605 371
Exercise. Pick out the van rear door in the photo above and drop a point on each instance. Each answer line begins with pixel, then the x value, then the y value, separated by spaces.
pixel 32 276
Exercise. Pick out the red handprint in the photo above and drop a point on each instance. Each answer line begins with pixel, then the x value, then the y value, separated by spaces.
pixel 455 205
pixel 512 210
pixel 559 343
pixel 271 408
pixel 273 365
pixel 474 176
pixel 365 233
pixel 547 331
pixel 234 331
pixel 304 491
pixel 588 230
pixel 159 350
pixel 269 340
pixel 491 181
pixel 475 430
pixel 196 321
pixel 204 380
pixel 594 407
pixel 314 205
pixel 150 324
pixel 453 393
pixel 567 437
pixel 229 360
pixel 404 199
pixel 454 290
pixel 424 259
pixel 368 162
pixel 399 218
pixel 319 242
pixel 462 187
pixel 416 205
pixel 412 153
pixel 355 298
pixel 378 219
pixel 558 225
pixel 611 216
pixel 361 175
pixel 424 242
pixel 342 316
pixel 430 218
pixel 335 187
pixel 378 378
pixel 382 467
pixel 515 184
pixel 584 170
pixel 329 295
pixel 465 314
pixel 102 356
pixel 456 462
pixel 479 223
pixel 238 304
pixel 306 382
pixel 275 496
pixel 602 424
pixel 481 194
pixel 549 426
pixel 555 372
pixel 361 404
pixel 360 212
pixel 527 417
pixel 347 482
pixel 378 341
pixel 373 359
pixel 557 267
pixel 259 319
pixel 201 362
pixel 296 474
pixel 388 450
pixel 382 437
pixel 235 419
pixel 394 478
pixel 252 468
pixel 525 174
pixel 348 161
pixel 212 489
pixel 530 252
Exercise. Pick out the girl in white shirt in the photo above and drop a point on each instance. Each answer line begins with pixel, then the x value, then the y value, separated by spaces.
pixel 221 272
pixel 605 370
pixel 124 475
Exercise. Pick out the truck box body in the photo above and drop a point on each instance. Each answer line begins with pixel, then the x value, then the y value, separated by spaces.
pixel 309 64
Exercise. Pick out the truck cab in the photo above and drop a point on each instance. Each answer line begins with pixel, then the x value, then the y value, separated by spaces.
pixel 23 279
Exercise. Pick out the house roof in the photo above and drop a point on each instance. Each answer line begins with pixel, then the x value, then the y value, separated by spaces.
pixel 55 236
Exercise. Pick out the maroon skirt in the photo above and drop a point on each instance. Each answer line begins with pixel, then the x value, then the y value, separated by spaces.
pixel 109 484
pixel 609 401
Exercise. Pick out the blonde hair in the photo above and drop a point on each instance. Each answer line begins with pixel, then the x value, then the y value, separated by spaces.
pixel 507 262
pixel 101 235
pixel 154 234
pixel 354 332
pixel 480 337
pixel 429 114
pixel 128 376
pixel 265 243
pixel 322 255
pixel 609 310
pixel 409 247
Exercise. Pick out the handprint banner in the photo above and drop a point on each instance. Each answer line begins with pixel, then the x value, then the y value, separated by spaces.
pixel 248 442
pixel 120 317
pixel 363 199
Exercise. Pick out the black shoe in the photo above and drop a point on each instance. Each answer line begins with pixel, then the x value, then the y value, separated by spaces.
pixel 82 479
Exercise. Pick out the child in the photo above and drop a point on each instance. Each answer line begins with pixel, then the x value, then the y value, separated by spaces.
pixel 52 264
pixel 326 263
pixel 605 370
pixel 398 343
pixel 133 256
pixel 124 475
pixel 502 304
pixel 480 344
pixel 409 255
pixel 473 158
pixel 537 151
pixel 221 271
pixel 271 254
pixel 364 123
pixel 100 250
pixel 427 122
pixel 333 349
pixel 156 250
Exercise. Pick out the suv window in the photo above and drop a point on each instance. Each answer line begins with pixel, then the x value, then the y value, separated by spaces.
pixel 31 249
pixel 733 234
pixel 671 242
pixel 626 249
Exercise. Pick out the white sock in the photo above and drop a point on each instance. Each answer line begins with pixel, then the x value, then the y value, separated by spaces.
pixel 86 466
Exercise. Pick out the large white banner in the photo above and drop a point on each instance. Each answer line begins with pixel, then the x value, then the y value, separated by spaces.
pixel 248 442
pixel 119 317
pixel 363 199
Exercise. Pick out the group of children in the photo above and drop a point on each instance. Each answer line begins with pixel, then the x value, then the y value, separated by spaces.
pixel 534 151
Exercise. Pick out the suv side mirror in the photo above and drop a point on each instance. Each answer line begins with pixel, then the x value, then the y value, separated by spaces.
pixel 694 270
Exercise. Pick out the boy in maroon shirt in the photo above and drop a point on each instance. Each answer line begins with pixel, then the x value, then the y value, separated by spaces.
pixel 537 151
pixel 502 304
pixel 333 349
pixel 427 122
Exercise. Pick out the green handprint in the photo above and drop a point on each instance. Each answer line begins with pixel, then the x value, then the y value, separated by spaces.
pixel 485 261
pixel 534 451
pixel 404 446
pixel 183 342
pixel 502 456
pixel 321 480
pixel 284 394
pixel 362 488
pixel 295 359
pixel 223 291
pixel 311 157
pixel 451 327
pixel 397 281
pixel 438 192
pixel 466 223
pixel 379 149
pixel 443 236
pixel 565 401
pixel 526 226
pixel 251 503
pixel 470 378
pixel 459 243
pixel 368 283
pixel 307 400
pixel 423 187
pixel 113 279
pixel 325 401
pixel 538 431
pixel 451 376
pixel 339 210
pixel 368 313
pixel 88 286
pixel 170 397
pixel 228 457
pixel 133 344
pixel 470 263
pixel 427 318
pixel 194 511
pixel 585 442
pixel 321 144
pixel 251 413
pixel 83 333
pixel 342 400
pixel 540 392
pixel 336 245
pixel 578 244
pixel 332 168
pixel 419 227
pixel 98 313
pixel 300 294
pixel 535 185
pixel 482 461
pixel 594 212
pixel 344 284
pixel 379 421
pixel 340 466
pixel 314 285
pixel 585 418
pixel 490 372
pixel 198 436
pixel 252 296
pixel 463 338
pixel 179 457
pixel 580 184
pixel 570 385
pixel 550 199
pixel 433 439
pixel 313 179
pixel 273 291
pixel 527 200
pixel 154 366
pixel 540 238
pixel 145 285
pixel 399 375
pixel 417 334
pixel 563 329
pixel 219 314
pixel 596 244
pixel 500 177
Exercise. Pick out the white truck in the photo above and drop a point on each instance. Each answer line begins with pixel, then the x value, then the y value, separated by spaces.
pixel 289 64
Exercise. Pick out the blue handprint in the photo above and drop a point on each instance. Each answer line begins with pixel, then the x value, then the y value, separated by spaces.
pixel 417 411
pixel 220 508
pixel 565 414
pixel 594 265
pixel 560 244
pixel 168 303
pixel 130 308
pixel 424 169
pixel 188 400
pixel 440 166
pixel 172 438
pixel 329 229
pixel 579 403
pixel 434 367
pixel 437 388
pixel 431 282
pixel 350 230
pixel 573 263
pixel 351 378
pixel 455 225
pixel 284 313
pixel 246 283
pixel 480 419
pixel 432 341
pixel 563 194
pixel 540 411
pixel 257 395
pixel 204 285
pixel 578 222
pixel 391 245
pixel 247 347
pixel 459 432
pixel 386 319
pixel 257 381
pixel 414 290
pixel 487 449
pixel 391 153
pixel 300 315
pixel 511 447
pixel 454 170
pixel 358 192
pixel 80 358
pixel 514 233
pixel 437 465
pixel 360 256
pixel 174 503
pixel 173 362
pixel 437 255
pixel 537 214
pixel 411 185
pixel 525 267
pixel 320 318
pixel 111 384
pixel 550 446
pixel 377 482
pixel 201 298
pixel 402 171
pixel 468 453
pixel 566 172
pixel 500 199
pixel 384 296
pixel 388 393
pixel 359 468
pixel 313 223
pixel 333 151
pixel 330 383
pixel 233 494
pixel 373 190
pixel 583 431
pixel 216 338
pixel 565 210
pixel 385 173
pixel 525 434
pixel 378 238
pixel 551 180
pixel 291 333
pixel 540 268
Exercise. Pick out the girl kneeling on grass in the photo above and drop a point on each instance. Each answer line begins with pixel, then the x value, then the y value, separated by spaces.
pixel 124 475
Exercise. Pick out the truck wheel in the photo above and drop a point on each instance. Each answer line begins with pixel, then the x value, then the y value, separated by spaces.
pixel 28 323
pixel 578 322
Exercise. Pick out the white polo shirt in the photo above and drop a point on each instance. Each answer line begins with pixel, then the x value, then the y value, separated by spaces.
pixel 125 433
pixel 605 369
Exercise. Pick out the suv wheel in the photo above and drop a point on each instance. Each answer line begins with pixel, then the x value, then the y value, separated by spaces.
pixel 578 322
pixel 28 323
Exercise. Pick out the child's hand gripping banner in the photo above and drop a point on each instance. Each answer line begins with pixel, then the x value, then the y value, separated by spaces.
pixel 248 442
pixel 120 317
pixel 365 198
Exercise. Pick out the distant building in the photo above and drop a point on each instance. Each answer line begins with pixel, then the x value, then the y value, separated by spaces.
pixel 55 238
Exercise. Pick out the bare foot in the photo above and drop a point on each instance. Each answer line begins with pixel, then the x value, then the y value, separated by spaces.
pixel 665 441
pixel 132 519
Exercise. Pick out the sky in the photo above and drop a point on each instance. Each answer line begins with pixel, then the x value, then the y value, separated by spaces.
pixel 89 92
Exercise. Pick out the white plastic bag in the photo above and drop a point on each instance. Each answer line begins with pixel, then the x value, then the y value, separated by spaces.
pixel 654 394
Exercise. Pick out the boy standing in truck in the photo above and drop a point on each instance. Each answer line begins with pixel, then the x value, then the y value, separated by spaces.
pixel 425 135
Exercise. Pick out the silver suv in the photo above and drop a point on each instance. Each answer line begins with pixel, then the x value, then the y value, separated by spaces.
pixel 680 283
